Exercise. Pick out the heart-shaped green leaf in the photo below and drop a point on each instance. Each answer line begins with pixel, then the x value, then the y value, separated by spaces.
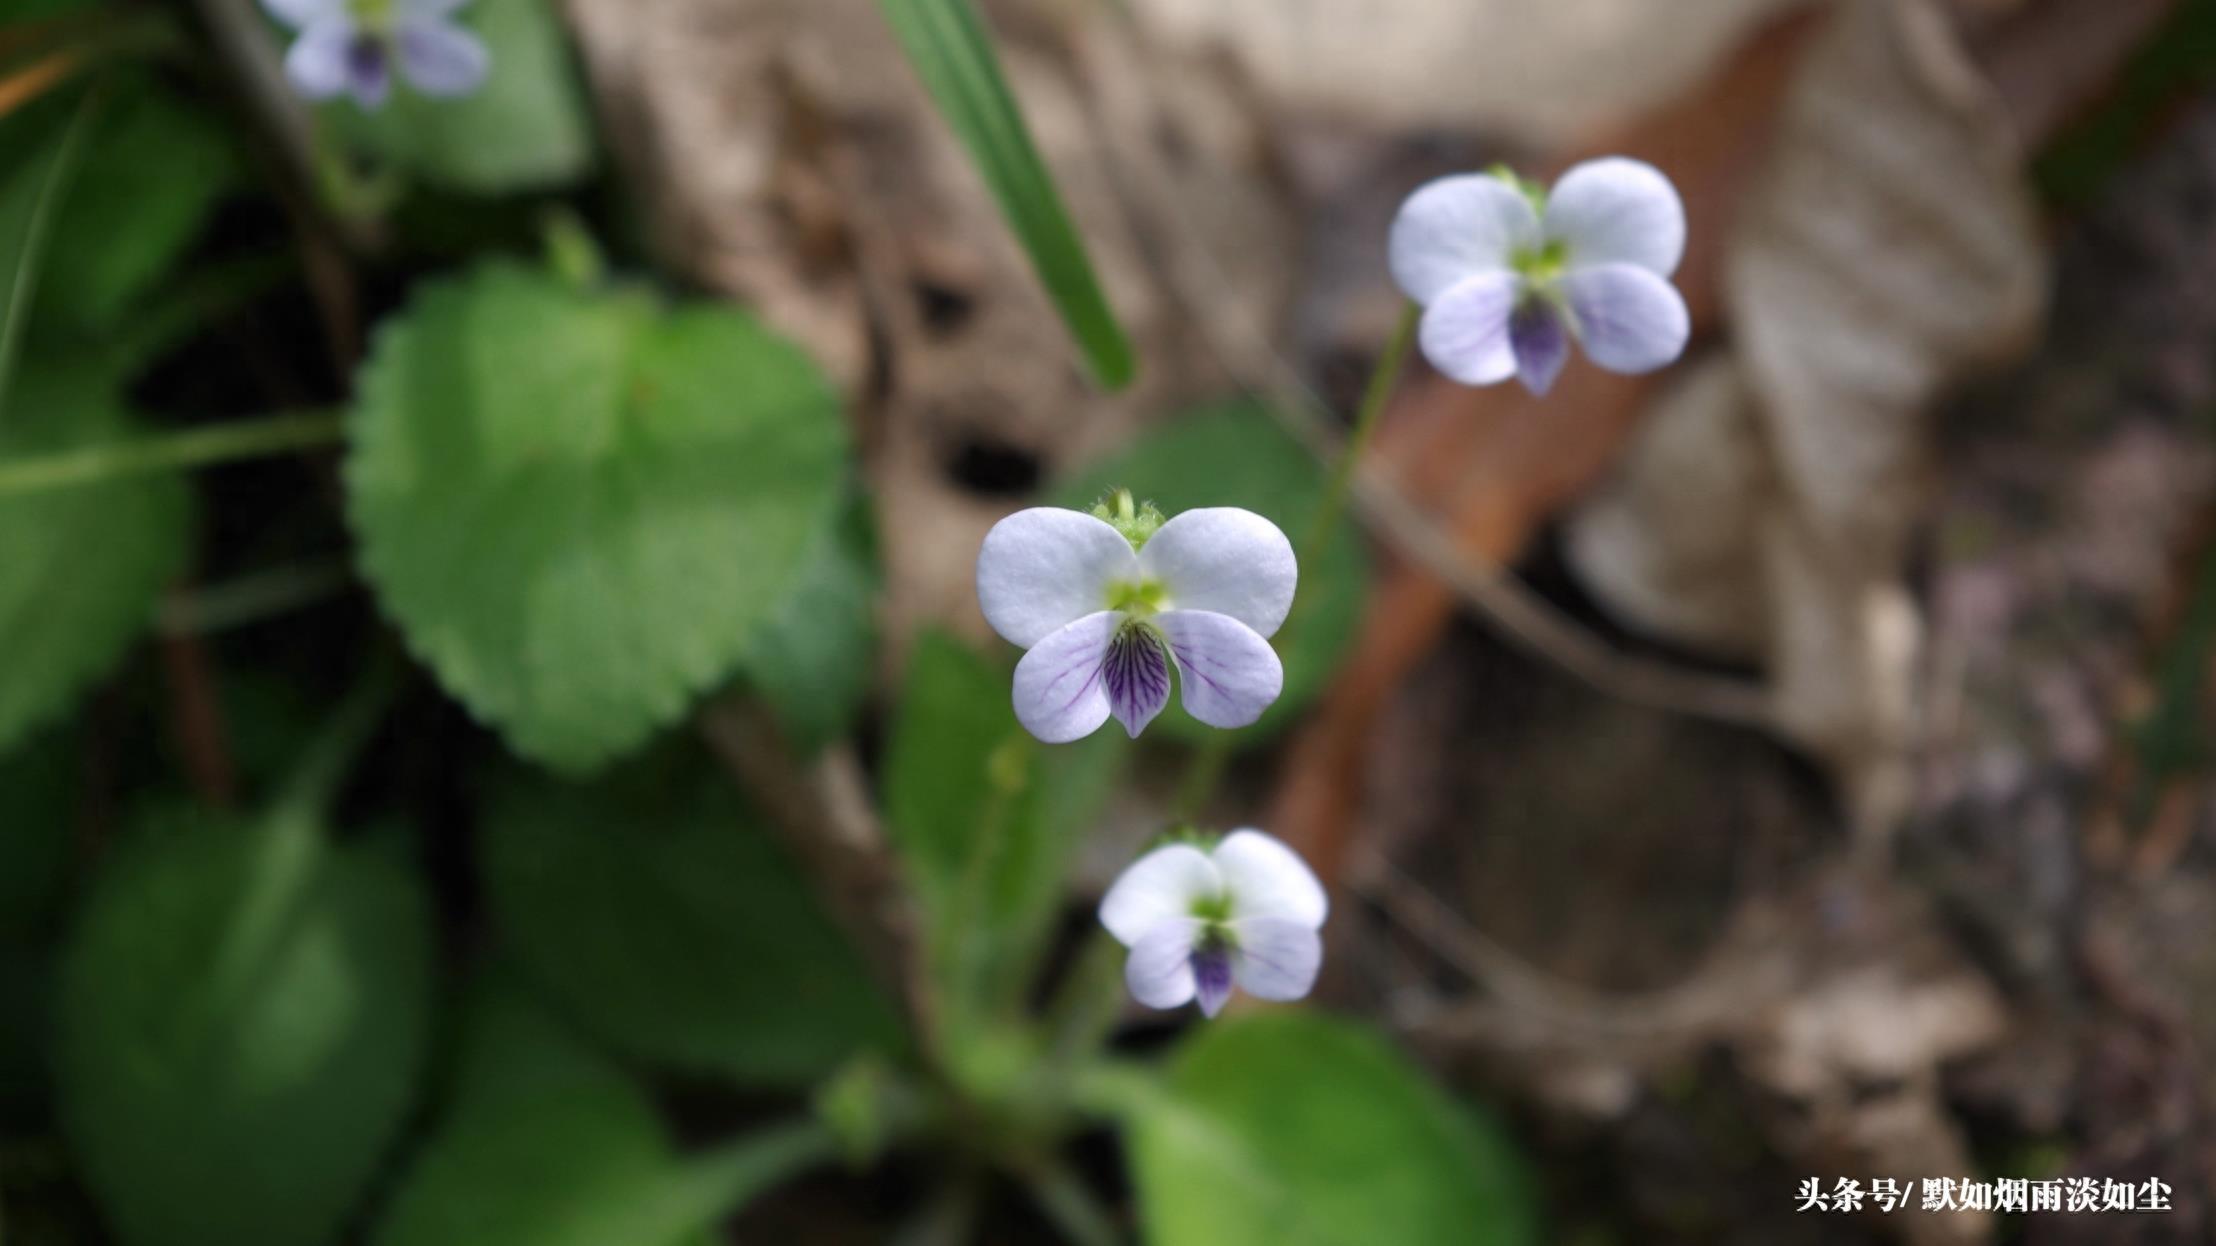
pixel 654 907
pixel 547 1144
pixel 80 567
pixel 1289 1129
pixel 578 506
pixel 242 1018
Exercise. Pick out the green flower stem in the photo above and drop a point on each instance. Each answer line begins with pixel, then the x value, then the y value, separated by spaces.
pixel 1072 1206
pixel 257 597
pixel 1089 1000
pixel 1374 397
pixel 1208 764
pixel 199 447
pixel 721 1181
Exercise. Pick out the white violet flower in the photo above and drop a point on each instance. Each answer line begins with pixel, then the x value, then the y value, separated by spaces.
pixel 1109 603
pixel 351 46
pixel 1509 275
pixel 1249 913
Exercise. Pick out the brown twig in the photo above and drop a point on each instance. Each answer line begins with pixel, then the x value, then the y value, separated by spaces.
pixel 196 716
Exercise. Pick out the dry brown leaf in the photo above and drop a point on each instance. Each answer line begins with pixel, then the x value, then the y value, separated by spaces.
pixel 1546 71
pixel 1888 249
pixel 1696 459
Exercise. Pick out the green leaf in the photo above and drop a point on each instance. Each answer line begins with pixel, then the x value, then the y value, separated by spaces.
pixel 153 173
pixel 242 1017
pixel 1289 1129
pixel 36 183
pixel 947 43
pixel 986 817
pixel 38 786
pixel 1236 454
pixel 578 506
pixel 546 1144
pixel 38 789
pixel 80 568
pixel 526 129
pixel 812 660
pixel 654 907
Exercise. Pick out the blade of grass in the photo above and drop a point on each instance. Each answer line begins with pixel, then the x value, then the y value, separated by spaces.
pixel 30 244
pixel 947 43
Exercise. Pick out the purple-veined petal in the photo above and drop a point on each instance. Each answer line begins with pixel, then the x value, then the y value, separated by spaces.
pixel 1618 211
pixel 1228 672
pixel 440 58
pixel 320 63
pixel 369 71
pixel 1212 977
pixel 1277 959
pixel 1457 228
pixel 1465 330
pixel 1159 971
pixel 1627 319
pixel 1161 886
pixel 1039 569
pixel 1059 695
pixel 1266 879
pixel 1541 343
pixel 301 14
pixel 1137 676
pixel 1227 560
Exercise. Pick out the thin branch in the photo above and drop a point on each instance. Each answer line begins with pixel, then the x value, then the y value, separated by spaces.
pixel 1524 987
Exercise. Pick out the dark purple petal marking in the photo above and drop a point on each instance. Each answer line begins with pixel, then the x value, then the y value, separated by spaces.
pixel 369 69
pixel 1136 673
pixel 1212 976
pixel 1541 342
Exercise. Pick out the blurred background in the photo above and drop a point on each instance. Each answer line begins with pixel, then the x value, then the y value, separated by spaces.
pixel 1792 765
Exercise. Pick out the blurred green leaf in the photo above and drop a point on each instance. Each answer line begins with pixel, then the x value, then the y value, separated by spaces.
pixel 654 907
pixel 154 171
pixel 951 51
pixel 1236 454
pixel 528 128
pixel 1290 1129
pixel 813 659
pixel 80 568
pixel 242 1016
pixel 143 169
pixel 38 788
pixel 986 817
pixel 43 160
pixel 579 506
pixel 546 1144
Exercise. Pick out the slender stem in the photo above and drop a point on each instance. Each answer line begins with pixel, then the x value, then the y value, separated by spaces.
pixel 255 598
pixel 1201 776
pixel 315 778
pixel 1207 766
pixel 199 447
pixel 1089 1000
pixel 1072 1206
pixel 1374 397
pixel 721 1181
